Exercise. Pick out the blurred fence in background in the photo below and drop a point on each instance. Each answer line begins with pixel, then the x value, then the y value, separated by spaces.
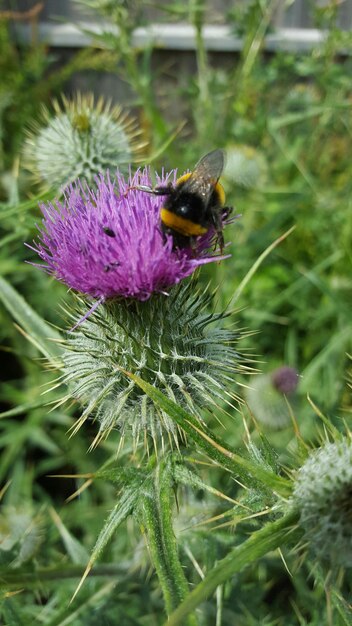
pixel 62 24
pixel 67 26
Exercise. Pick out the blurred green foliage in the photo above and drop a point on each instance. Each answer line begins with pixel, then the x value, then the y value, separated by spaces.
pixel 292 113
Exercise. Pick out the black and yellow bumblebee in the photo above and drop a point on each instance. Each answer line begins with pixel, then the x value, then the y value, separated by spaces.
pixel 195 204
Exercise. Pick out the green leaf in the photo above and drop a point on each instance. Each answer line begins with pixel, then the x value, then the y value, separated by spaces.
pixel 75 549
pixel 11 615
pixel 256 265
pixel 23 207
pixel 119 513
pixel 342 608
pixel 314 111
pixel 38 332
pixel 71 614
pixel 23 408
pixel 54 576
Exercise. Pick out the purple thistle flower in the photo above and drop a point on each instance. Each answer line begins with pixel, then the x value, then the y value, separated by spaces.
pixel 108 243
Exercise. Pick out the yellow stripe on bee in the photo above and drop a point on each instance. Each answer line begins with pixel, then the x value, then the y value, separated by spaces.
pixel 221 193
pixel 181 224
pixel 218 187
pixel 183 178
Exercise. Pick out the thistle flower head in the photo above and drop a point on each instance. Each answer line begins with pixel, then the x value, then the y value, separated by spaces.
pixel 173 343
pixel 108 243
pixel 80 140
pixel 323 494
pixel 266 396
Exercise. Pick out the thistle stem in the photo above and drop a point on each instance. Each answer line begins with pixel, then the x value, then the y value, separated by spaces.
pixel 157 519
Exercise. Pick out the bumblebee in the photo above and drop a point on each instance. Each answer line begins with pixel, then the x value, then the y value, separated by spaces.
pixel 195 204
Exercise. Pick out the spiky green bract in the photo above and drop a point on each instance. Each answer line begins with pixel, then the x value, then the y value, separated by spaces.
pixel 79 140
pixel 173 342
pixel 323 495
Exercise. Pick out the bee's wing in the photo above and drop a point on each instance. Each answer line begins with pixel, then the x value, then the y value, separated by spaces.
pixel 206 174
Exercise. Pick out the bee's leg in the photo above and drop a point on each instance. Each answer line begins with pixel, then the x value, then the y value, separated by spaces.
pixel 226 212
pixel 221 240
pixel 217 221
pixel 193 242
pixel 163 190
pixel 160 190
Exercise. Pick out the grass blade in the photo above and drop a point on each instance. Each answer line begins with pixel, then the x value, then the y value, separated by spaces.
pixel 39 332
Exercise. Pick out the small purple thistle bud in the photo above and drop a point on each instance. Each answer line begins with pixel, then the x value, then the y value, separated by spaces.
pixel 107 243
pixel 285 379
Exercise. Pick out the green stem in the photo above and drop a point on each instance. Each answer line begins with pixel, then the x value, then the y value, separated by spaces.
pixel 139 76
pixel 252 46
pixel 272 536
pixel 157 518
pixel 202 118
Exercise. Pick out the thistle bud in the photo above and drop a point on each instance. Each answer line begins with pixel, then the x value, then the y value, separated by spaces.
pixel 267 393
pixel 322 493
pixel 80 139
pixel 173 343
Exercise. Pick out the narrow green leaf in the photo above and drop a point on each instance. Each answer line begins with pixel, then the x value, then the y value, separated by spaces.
pixel 295 118
pixel 256 265
pixel 11 615
pixel 18 578
pixel 119 513
pixel 72 614
pixel 338 343
pixel 22 207
pixel 342 608
pixel 41 334
pixel 23 408
pixel 161 149
pixel 75 549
